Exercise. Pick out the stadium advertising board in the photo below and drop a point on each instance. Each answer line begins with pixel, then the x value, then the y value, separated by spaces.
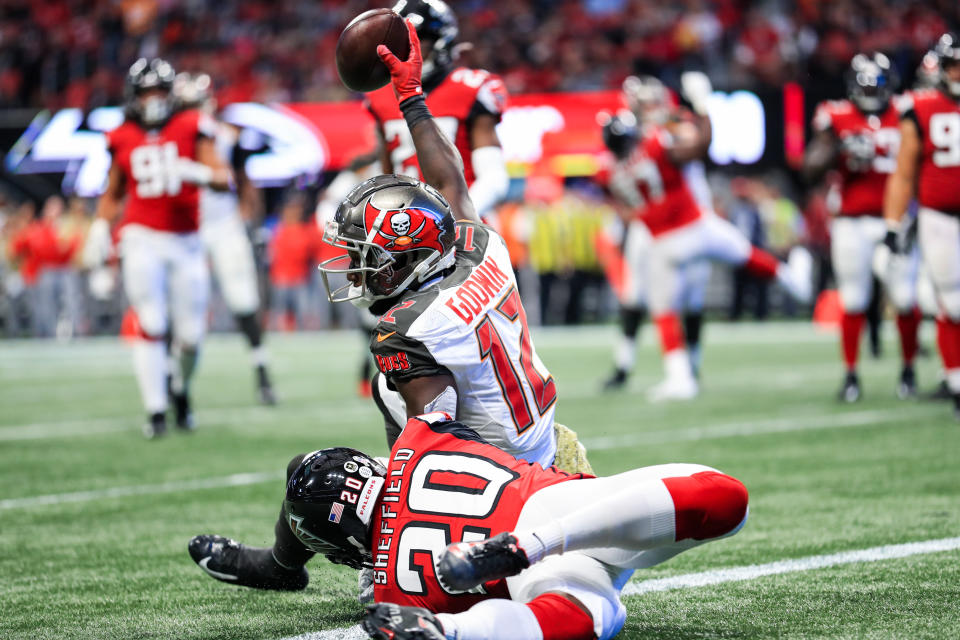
pixel 288 141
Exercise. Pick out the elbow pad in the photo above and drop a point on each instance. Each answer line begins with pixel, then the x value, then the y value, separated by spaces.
pixel 491 182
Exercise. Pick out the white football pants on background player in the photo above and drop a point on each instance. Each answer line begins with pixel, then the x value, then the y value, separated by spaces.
pixel 165 276
pixel 231 255
pixel 854 243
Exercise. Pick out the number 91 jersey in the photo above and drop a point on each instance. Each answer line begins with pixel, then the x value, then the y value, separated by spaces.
pixel 149 159
pixel 444 484
pixel 472 326
pixel 938 122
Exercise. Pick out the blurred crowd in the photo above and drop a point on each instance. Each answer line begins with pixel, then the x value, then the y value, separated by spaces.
pixel 553 229
pixel 56 53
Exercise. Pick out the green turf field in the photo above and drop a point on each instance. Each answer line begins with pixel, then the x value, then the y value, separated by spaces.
pixel 94 520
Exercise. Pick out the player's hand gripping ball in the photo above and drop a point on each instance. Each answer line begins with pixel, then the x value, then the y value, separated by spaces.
pixel 358 64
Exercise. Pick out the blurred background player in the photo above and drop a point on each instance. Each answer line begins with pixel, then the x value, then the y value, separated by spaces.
pixel 224 233
pixel 859 137
pixel 651 181
pixel 467 104
pixel 160 158
pixel 646 95
pixel 928 165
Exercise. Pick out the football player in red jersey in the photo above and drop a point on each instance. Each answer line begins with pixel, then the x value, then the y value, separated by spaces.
pixel 466 103
pixel 160 158
pixel 860 137
pixel 650 180
pixel 928 165
pixel 574 540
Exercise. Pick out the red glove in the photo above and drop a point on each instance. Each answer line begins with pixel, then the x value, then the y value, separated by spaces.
pixel 404 75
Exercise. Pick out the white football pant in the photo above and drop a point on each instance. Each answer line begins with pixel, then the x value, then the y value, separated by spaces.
pixel 855 242
pixel 939 237
pixel 231 255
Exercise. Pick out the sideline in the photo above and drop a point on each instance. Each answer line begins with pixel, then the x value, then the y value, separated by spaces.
pixel 731 574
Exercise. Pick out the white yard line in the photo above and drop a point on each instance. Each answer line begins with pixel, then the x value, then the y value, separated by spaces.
pixel 731 574
pixel 235 480
pixel 666 436
pixel 758 427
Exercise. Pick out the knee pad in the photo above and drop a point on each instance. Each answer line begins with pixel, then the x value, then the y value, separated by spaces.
pixel 950 303
pixel 153 323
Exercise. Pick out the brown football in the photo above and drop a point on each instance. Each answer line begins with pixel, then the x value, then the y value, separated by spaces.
pixel 358 64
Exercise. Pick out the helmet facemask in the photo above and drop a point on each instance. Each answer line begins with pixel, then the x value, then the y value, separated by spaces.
pixel 648 99
pixel 948 53
pixel 389 247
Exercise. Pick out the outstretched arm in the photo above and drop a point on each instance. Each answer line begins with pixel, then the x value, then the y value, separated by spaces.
pixel 821 154
pixel 439 160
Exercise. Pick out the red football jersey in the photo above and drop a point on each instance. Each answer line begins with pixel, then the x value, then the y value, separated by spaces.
pixel 650 183
pixel 861 185
pixel 444 484
pixel 156 196
pixel 938 120
pixel 460 97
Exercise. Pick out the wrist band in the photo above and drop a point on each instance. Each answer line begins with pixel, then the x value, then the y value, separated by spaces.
pixel 414 110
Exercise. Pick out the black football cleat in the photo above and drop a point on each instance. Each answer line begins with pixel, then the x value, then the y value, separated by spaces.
pixel 942 392
pixel 182 411
pixel 907 387
pixel 155 426
pixel 393 622
pixel 464 565
pixel 265 393
pixel 850 391
pixel 616 381
pixel 234 563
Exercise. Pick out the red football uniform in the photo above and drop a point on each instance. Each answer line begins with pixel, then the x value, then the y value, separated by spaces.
pixel 445 484
pixel 862 184
pixel 938 121
pixel 455 102
pixel 156 196
pixel 653 185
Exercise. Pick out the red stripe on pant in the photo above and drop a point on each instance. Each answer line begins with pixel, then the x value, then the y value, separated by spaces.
pixel 708 504
pixel 948 339
pixel 671 333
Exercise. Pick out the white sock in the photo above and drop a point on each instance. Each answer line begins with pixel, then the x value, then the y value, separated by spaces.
pixel 488 619
pixel 150 367
pixel 259 356
pixel 185 359
pixel 624 353
pixel 638 517
pixel 676 365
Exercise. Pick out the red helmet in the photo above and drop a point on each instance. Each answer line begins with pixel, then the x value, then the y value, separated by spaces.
pixel 398 233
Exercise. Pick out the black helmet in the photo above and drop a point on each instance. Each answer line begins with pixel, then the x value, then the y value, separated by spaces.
pixel 147 75
pixel 330 502
pixel 398 233
pixel 948 54
pixel 434 21
pixel 620 132
pixel 871 82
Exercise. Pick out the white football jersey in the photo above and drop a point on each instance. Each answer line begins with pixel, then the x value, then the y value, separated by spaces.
pixel 471 325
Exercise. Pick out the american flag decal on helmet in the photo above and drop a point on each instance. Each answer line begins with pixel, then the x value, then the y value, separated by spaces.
pixel 336 512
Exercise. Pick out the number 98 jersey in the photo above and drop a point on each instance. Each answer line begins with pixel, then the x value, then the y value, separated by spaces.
pixel 938 123
pixel 445 484
pixel 156 197
pixel 472 326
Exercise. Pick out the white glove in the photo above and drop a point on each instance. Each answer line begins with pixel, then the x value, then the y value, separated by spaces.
pixel 98 245
pixel 194 172
pixel 696 89
pixel 365 584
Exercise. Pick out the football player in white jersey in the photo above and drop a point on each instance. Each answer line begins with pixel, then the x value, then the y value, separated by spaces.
pixel 452 335
pixel 225 237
